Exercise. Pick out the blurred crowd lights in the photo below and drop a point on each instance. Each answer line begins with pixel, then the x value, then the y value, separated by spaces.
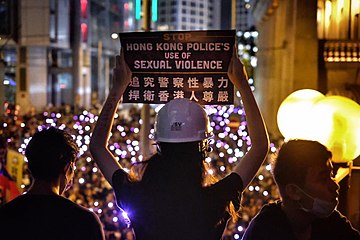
pixel 230 144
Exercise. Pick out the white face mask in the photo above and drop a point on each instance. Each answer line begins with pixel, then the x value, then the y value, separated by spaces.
pixel 320 208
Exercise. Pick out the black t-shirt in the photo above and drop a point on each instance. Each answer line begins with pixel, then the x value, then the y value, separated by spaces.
pixel 272 223
pixel 47 217
pixel 181 214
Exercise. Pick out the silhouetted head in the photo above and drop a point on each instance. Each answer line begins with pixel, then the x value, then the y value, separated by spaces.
pixel 294 160
pixel 49 152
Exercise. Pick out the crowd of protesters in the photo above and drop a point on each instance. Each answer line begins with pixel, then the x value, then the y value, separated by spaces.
pixel 90 188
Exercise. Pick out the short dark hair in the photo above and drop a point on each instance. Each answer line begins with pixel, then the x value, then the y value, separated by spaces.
pixel 48 152
pixel 294 159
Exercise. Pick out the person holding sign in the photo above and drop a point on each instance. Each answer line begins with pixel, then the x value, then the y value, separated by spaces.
pixel 166 196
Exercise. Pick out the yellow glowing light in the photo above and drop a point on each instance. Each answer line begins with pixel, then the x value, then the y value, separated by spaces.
pixel 293 116
pixel 337 123
pixel 332 121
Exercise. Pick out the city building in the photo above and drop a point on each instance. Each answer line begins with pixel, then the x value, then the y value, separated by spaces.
pixel 244 15
pixel 305 44
pixel 57 52
pixel 188 15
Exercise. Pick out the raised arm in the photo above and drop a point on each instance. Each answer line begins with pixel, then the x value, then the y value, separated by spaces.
pixel 100 136
pixel 250 163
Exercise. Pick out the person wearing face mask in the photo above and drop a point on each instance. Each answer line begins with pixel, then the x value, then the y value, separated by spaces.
pixel 42 213
pixel 307 211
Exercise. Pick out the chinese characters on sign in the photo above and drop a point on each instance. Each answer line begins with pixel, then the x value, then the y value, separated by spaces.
pixel 169 65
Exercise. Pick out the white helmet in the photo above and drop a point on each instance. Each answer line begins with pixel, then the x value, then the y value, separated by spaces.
pixel 181 120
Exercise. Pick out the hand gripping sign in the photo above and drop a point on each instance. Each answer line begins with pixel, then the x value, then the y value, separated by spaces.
pixel 179 64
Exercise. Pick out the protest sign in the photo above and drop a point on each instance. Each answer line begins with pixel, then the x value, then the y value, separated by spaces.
pixel 179 64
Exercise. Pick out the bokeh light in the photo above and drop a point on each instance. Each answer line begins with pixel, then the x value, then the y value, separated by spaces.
pixel 331 120
pixel 293 117
pixel 337 124
pixel 230 143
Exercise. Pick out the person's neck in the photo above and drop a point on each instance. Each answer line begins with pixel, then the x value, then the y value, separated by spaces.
pixel 41 187
pixel 300 222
